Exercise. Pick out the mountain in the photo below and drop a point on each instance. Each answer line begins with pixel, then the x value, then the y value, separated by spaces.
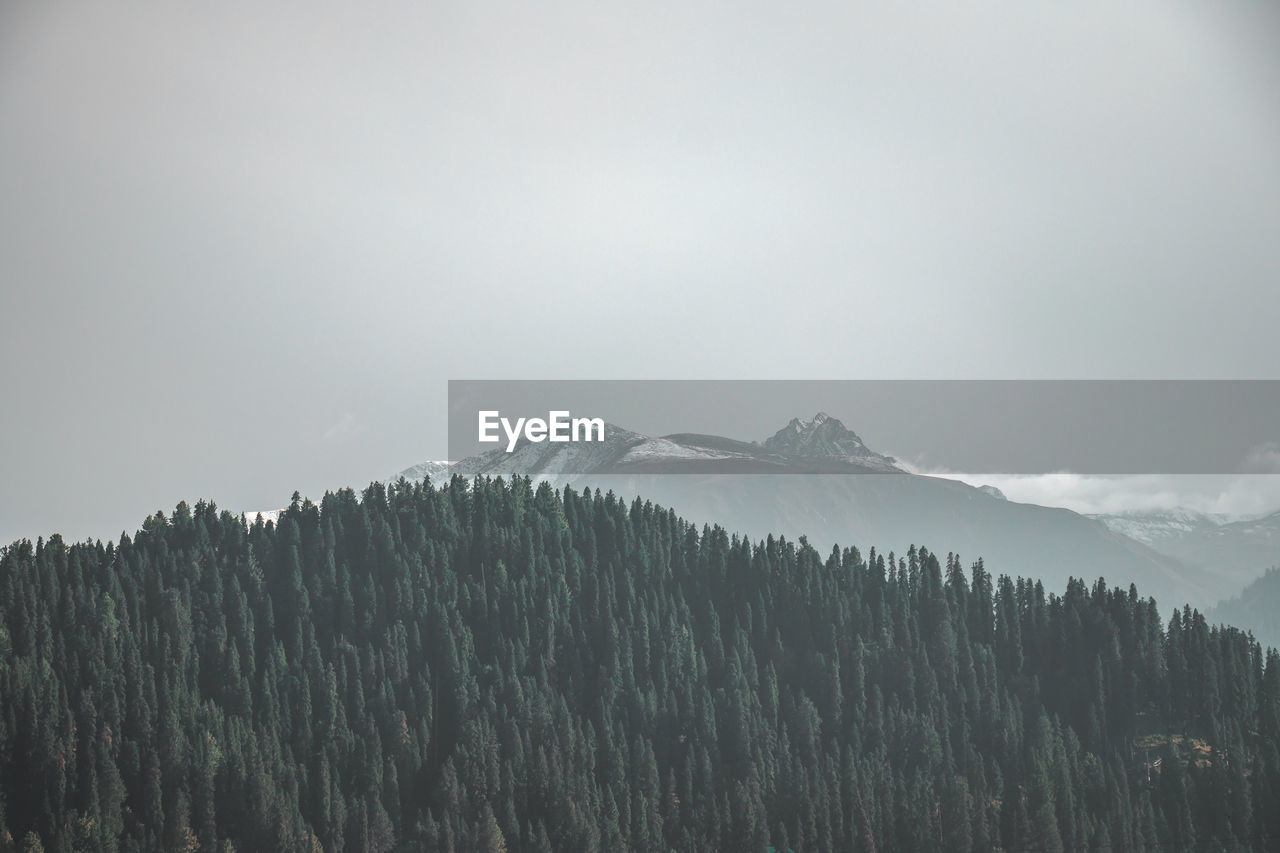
pixel 494 666
pixel 272 515
pixel 1243 552
pixel 1159 527
pixel 816 478
pixel 826 436
pixel 821 445
pixel 1238 549
pixel 1257 609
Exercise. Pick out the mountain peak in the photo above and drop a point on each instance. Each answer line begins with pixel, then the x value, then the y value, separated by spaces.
pixel 823 435
pixel 801 425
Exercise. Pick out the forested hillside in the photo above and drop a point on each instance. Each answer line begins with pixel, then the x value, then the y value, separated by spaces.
pixel 490 666
pixel 1257 608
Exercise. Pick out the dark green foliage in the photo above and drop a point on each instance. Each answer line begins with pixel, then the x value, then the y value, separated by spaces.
pixel 491 666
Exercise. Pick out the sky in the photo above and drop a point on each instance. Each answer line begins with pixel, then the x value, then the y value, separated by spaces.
pixel 243 247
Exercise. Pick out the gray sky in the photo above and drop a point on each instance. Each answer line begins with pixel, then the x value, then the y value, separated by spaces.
pixel 242 251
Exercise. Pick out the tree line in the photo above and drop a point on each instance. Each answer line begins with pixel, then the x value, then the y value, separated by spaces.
pixel 499 665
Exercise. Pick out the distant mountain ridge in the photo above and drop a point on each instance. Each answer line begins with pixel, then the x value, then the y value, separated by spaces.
pixel 820 445
pixel 1257 608
pixel 1239 549
pixel 1155 526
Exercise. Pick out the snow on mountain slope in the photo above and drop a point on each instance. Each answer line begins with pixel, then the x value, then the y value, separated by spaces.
pixel 437 470
pixel 1160 526
pixel 271 515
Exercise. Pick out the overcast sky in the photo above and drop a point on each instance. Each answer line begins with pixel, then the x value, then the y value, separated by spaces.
pixel 243 246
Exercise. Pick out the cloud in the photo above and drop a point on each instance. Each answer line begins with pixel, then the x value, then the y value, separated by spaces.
pixel 1264 459
pixel 1243 495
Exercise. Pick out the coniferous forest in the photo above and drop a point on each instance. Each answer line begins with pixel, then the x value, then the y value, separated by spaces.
pixel 500 666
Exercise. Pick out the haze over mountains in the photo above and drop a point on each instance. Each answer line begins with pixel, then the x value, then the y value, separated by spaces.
pixel 791 483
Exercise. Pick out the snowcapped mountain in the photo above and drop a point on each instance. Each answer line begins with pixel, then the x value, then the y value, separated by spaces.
pixel 271 515
pixel 734 483
pixel 435 470
pixel 1159 526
